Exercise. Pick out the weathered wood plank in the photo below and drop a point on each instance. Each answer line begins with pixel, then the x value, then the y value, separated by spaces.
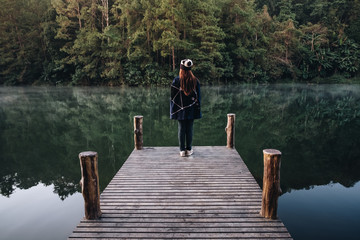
pixel 179 211
pixel 195 191
pixel 176 208
pixel 179 201
pixel 153 238
pixel 175 235
pixel 182 215
pixel 201 229
pixel 179 222
pixel 159 219
pixel 159 195
pixel 234 196
pixel 184 193
pixel 230 226
pixel 182 204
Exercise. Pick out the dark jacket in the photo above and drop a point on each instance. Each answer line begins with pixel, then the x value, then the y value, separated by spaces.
pixel 184 107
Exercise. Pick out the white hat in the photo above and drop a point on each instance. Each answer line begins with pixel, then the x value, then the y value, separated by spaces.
pixel 186 64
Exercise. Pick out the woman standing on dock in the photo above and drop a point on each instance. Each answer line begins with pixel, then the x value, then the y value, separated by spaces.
pixel 185 105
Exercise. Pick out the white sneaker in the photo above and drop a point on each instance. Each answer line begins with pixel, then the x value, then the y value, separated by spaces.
pixel 182 154
pixel 189 152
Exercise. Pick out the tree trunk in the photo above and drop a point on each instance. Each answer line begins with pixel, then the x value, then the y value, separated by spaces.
pixel 230 131
pixel 271 183
pixel 105 13
pixel 173 58
pixel 138 132
pixel 312 42
pixel 79 15
pixel 90 184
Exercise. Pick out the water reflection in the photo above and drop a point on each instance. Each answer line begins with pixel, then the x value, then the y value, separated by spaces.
pixel 36 213
pixel 43 129
pixel 322 212
pixel 317 128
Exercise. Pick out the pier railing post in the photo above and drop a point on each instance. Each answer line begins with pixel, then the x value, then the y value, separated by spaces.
pixel 230 130
pixel 90 184
pixel 271 183
pixel 138 132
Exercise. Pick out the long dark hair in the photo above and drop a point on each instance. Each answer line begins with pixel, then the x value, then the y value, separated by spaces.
pixel 187 81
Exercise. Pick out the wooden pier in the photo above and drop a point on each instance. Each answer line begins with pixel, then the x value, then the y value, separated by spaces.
pixel 159 195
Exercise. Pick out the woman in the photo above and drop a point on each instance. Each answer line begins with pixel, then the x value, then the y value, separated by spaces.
pixel 185 105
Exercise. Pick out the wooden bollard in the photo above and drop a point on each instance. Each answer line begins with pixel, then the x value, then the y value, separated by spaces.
pixel 138 132
pixel 271 183
pixel 90 184
pixel 230 130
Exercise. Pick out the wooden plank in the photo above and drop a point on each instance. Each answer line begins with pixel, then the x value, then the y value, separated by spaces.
pixel 193 224
pixel 181 215
pixel 233 196
pixel 159 195
pixel 204 208
pixel 193 204
pixel 159 219
pixel 164 229
pixel 179 211
pixel 187 194
pixel 171 234
pixel 179 201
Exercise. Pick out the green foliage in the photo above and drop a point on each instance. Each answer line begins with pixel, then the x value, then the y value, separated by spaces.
pixel 286 11
pixel 82 42
pixel 21 47
pixel 348 57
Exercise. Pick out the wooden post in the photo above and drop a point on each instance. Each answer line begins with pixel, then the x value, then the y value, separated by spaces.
pixel 230 130
pixel 271 183
pixel 138 132
pixel 90 184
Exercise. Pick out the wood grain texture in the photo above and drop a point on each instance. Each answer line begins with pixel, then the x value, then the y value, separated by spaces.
pixel 138 132
pixel 159 195
pixel 230 131
pixel 271 183
pixel 90 184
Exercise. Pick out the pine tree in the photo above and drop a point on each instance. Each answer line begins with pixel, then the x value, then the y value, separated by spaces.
pixel 21 46
pixel 286 11
pixel 315 43
pixel 166 27
pixel 284 44
pixel 207 37
pixel 81 25
pixel 246 38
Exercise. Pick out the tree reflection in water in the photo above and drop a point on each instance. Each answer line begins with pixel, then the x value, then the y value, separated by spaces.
pixel 42 129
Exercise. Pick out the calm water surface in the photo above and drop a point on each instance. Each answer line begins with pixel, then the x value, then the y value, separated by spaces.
pixel 316 127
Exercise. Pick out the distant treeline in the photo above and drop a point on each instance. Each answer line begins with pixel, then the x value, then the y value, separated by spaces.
pixel 140 42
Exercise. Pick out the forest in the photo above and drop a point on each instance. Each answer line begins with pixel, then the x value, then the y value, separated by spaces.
pixel 141 42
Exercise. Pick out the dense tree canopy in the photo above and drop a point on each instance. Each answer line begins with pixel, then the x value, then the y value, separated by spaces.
pixel 135 42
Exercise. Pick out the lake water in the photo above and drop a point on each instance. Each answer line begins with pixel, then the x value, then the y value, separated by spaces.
pixel 43 129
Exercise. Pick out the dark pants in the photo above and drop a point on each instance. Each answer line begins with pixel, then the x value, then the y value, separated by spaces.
pixel 185 132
